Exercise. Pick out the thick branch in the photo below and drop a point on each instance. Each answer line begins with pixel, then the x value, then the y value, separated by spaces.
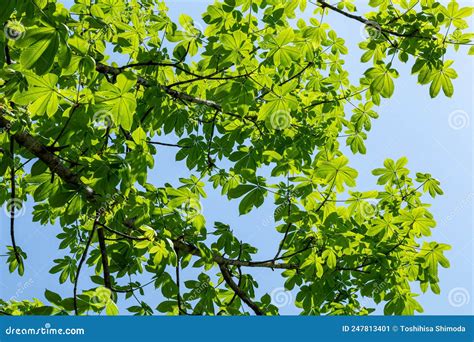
pixel 54 164
pixel 242 295
pixel 50 159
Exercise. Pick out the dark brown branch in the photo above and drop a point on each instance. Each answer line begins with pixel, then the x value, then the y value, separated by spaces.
pixel 190 249
pixel 132 289
pixel 298 74
pixel 52 161
pixel 371 23
pixel 240 276
pixel 8 59
pixel 210 77
pixel 13 202
pixel 105 69
pixel 320 102
pixel 104 257
pixel 242 295
pixel 81 262
pixel 167 144
pixel 122 234
pixel 181 311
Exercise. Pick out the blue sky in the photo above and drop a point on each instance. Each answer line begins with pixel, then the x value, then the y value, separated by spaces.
pixel 434 134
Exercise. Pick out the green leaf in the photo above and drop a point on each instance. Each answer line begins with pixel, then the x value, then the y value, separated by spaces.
pixel 40 48
pixel 111 308
pixel 432 254
pixel 254 198
pixel 442 80
pixel 41 96
pixel 338 173
pixel 53 297
pixel 119 101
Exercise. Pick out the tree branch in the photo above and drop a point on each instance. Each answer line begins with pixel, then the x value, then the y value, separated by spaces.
pixel 166 144
pixel 12 204
pixel 242 295
pixel 104 257
pixel 190 249
pixel 371 23
pixel 122 234
pixel 109 70
pixel 72 179
pixel 26 140
pixel 81 262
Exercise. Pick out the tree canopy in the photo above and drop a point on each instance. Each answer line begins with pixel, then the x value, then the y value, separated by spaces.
pixel 261 108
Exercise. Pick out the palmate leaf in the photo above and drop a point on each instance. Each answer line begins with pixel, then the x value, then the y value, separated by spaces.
pixel 385 225
pixel 280 51
pixel 111 308
pixel 40 48
pixel 254 196
pixel 338 173
pixel 418 220
pixel 402 302
pixel 119 100
pixel 238 46
pixel 313 265
pixel 441 79
pixel 432 254
pixel 392 172
pixel 430 185
pixel 42 94
pixel 381 77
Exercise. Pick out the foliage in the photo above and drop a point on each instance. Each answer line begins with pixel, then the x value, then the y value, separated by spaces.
pixel 259 103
